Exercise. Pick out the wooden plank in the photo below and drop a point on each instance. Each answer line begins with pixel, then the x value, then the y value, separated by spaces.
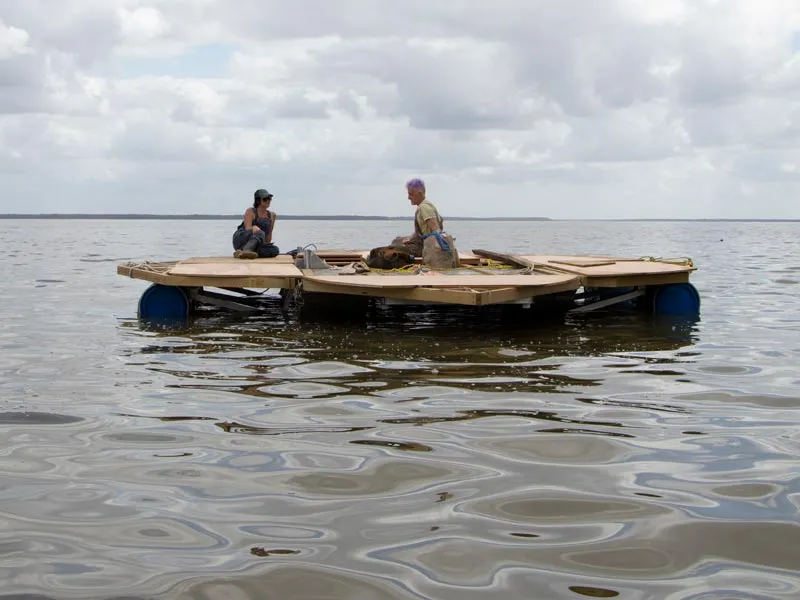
pixel 478 297
pixel 584 262
pixel 442 296
pixel 337 252
pixel 620 267
pixel 220 300
pixel 442 281
pixel 241 268
pixel 636 280
pixel 510 259
pixel 281 258
pixel 608 302
pixel 579 257
pixel 502 295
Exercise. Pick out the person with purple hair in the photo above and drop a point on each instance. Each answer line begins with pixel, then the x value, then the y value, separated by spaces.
pixel 429 240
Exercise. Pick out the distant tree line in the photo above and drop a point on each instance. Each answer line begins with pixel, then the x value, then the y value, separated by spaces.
pixel 237 217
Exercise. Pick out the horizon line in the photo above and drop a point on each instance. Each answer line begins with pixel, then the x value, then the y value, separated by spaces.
pixel 233 217
pixel 210 217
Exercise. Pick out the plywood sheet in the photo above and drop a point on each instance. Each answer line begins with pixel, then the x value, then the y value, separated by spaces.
pixel 239 268
pixel 337 252
pixel 443 281
pixel 464 257
pixel 620 267
pixel 281 258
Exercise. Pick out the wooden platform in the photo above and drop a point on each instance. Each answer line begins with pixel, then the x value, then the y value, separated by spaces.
pixel 482 280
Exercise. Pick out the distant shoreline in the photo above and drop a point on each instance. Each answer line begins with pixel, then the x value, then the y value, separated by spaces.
pixel 153 217
pixel 148 217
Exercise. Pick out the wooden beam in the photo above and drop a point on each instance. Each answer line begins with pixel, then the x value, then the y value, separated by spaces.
pixel 242 291
pixel 509 259
pixel 221 301
pixel 524 262
pixel 608 302
pixel 499 296
pixel 469 296
pixel 439 295
pixel 635 280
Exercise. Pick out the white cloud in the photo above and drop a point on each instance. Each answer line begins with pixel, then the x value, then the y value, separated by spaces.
pixel 668 108
pixel 141 24
pixel 13 41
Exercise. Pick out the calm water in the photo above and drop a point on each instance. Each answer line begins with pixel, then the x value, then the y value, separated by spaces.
pixel 421 455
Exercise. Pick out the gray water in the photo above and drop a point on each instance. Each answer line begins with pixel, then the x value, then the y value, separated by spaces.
pixel 422 454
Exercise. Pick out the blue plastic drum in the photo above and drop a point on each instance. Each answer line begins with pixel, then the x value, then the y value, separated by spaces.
pixel 680 299
pixel 163 303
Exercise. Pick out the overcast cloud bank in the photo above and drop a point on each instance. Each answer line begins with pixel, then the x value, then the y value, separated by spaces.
pixel 555 108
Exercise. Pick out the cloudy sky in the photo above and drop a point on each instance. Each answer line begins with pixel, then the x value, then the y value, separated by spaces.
pixel 558 108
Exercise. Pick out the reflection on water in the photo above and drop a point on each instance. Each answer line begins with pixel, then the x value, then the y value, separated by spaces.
pixel 415 454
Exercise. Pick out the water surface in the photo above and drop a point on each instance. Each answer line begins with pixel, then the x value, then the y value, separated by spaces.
pixel 416 454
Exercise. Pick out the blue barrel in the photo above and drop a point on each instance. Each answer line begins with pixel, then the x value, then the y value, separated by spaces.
pixel 681 299
pixel 163 302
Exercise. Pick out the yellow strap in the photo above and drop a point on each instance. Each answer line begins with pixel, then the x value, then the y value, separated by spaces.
pixel 683 260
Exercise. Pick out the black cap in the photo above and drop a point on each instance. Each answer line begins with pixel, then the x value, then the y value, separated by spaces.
pixel 261 194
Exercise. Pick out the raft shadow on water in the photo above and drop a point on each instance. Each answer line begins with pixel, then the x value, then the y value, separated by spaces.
pixel 513 323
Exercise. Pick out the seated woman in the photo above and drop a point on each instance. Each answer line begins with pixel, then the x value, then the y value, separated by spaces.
pixel 429 239
pixel 253 237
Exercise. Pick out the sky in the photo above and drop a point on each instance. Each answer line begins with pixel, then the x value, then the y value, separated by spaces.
pixel 568 109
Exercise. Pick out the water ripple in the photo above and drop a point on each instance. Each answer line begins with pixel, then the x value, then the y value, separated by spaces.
pixel 411 454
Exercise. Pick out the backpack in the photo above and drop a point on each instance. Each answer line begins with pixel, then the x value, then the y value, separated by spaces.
pixel 386 257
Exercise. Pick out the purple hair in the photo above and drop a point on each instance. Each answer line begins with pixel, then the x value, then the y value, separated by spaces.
pixel 415 184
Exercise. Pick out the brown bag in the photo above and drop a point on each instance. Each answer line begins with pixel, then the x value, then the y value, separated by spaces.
pixel 434 256
pixel 386 257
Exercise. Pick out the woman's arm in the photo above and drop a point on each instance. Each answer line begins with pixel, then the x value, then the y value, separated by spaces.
pixel 271 227
pixel 249 216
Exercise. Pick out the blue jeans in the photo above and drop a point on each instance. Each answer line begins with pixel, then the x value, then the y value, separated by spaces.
pixel 242 236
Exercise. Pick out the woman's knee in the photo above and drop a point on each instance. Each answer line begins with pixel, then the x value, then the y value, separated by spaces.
pixel 268 251
pixel 240 239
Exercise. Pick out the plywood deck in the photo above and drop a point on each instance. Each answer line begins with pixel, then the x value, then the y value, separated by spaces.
pixel 241 268
pixel 230 260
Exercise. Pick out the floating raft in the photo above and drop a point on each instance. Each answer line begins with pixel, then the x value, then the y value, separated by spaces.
pixel 484 278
